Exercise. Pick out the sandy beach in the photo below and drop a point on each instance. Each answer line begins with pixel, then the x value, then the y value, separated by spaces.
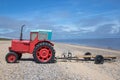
pixel 27 69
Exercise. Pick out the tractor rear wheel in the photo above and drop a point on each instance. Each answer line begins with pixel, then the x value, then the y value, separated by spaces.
pixel 11 57
pixel 44 53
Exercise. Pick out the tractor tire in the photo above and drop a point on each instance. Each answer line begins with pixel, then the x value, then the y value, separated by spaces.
pixel 19 55
pixel 99 59
pixel 87 59
pixel 44 53
pixel 11 57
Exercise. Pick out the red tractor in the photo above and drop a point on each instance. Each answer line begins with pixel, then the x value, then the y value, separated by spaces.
pixel 38 45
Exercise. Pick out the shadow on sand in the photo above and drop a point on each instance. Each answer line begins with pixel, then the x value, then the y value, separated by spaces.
pixel 26 59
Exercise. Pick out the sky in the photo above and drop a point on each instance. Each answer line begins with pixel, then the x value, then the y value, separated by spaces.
pixel 68 19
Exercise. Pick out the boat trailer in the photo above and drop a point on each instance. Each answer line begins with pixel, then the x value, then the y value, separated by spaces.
pixel 98 59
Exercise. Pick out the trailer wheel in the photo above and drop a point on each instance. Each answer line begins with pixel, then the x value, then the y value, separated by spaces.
pixel 11 57
pixel 99 59
pixel 87 59
pixel 44 53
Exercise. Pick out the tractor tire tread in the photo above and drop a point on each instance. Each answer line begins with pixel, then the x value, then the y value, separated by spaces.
pixel 52 60
pixel 13 53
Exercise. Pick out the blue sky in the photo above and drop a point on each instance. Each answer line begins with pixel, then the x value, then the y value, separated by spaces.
pixel 68 19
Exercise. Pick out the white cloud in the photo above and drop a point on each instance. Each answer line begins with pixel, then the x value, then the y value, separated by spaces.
pixel 70 28
pixel 5 31
pixel 115 30
pixel 87 29
pixel 113 26
pixel 73 28
pixel 106 13
pixel 59 22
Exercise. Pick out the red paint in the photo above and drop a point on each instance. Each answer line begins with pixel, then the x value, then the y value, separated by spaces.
pixel 26 46
pixel 20 46
pixel 44 54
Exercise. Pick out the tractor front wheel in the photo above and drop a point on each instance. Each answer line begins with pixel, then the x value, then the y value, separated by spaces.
pixel 44 53
pixel 11 57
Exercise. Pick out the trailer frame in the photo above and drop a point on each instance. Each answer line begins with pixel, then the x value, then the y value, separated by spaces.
pixel 98 59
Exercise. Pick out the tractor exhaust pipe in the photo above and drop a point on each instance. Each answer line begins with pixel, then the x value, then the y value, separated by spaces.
pixel 21 34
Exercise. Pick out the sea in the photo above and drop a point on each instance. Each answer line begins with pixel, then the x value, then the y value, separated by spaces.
pixel 109 43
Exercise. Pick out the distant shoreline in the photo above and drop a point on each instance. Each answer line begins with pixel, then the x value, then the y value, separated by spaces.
pixel 107 43
pixel 4 39
pixel 86 46
pixel 78 44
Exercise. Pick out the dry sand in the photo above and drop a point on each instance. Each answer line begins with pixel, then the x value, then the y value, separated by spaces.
pixel 27 69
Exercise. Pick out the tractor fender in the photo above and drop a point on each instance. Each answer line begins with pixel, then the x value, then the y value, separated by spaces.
pixel 44 41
